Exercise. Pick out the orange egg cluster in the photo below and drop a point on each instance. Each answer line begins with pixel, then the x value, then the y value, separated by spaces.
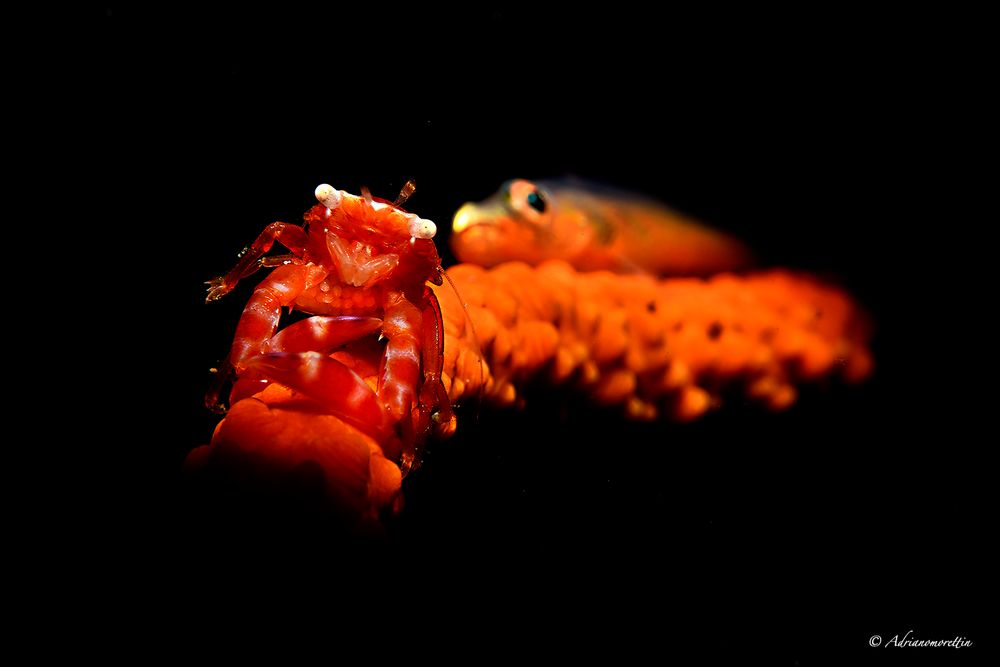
pixel 331 295
pixel 346 298
pixel 657 348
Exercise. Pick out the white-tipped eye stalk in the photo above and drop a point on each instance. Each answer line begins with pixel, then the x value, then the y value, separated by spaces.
pixel 422 229
pixel 328 196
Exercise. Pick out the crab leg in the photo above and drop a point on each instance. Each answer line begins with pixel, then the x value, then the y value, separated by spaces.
pixel 340 390
pixel 400 373
pixel 292 237
pixel 263 312
pixel 432 392
pixel 260 320
pixel 322 333
pixel 315 334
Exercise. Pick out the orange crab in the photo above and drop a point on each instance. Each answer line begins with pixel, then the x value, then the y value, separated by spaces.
pixel 359 266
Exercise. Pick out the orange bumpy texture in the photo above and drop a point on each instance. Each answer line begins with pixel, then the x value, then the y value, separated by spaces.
pixel 655 347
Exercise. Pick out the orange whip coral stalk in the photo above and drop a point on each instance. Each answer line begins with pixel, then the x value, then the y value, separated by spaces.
pixel 657 348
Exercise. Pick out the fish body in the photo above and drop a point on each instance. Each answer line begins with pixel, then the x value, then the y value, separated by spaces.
pixel 592 227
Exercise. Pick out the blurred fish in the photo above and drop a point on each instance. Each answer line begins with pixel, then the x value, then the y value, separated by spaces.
pixel 592 227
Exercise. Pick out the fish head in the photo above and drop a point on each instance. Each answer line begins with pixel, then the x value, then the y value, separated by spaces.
pixel 513 224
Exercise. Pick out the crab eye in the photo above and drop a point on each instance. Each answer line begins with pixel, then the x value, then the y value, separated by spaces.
pixel 422 228
pixel 328 196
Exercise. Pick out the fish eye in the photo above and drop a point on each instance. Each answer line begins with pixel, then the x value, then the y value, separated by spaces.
pixel 526 199
pixel 536 201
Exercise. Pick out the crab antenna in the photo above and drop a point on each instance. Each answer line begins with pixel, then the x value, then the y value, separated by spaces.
pixel 408 189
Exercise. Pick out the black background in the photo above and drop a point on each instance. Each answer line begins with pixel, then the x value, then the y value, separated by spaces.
pixel 798 535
